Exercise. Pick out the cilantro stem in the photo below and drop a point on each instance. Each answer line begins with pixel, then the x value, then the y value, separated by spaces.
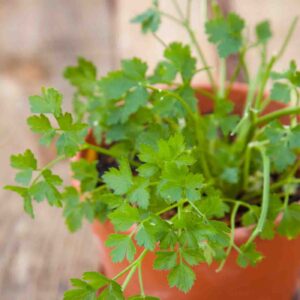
pixel 139 259
pixel 265 199
pixel 107 152
pixel 48 166
pixel 178 9
pixel 246 168
pixel 159 40
pixel 141 280
pixel 198 211
pixel 277 114
pixel 200 54
pixel 129 276
pixel 170 17
pixel 221 92
pixel 287 38
pixel 188 10
pixel 240 203
pixel 232 223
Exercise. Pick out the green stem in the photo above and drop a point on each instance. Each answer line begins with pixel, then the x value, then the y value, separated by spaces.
pixel 200 54
pixel 232 223
pixel 159 40
pixel 48 166
pixel 141 280
pixel 197 210
pixel 240 203
pixel 188 10
pixel 266 197
pixel 174 19
pixel 221 92
pixel 288 37
pixel 128 277
pixel 276 115
pixel 138 260
pixel 178 9
pixel 246 168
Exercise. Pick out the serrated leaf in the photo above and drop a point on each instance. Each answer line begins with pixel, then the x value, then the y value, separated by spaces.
pixel 226 33
pixel 115 85
pixel 123 247
pixel 133 101
pixel 48 103
pixel 24 161
pixel 180 56
pixel 182 277
pixel 119 180
pixel 281 92
pixel 145 237
pixel 46 189
pixel 139 193
pixel 263 32
pixel 83 76
pixel 248 255
pixel 124 217
pixel 149 20
pixel 39 124
pixel 165 260
pixel 24 193
pixel 86 172
pixel 134 68
pixel 290 223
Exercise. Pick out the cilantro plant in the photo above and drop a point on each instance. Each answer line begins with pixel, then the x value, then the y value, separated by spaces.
pixel 171 180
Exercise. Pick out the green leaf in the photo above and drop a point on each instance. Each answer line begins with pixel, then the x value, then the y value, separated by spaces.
pixel 226 33
pixel 281 146
pixel 133 101
pixel 145 237
pixel 123 247
pixel 46 189
pixel 193 256
pixel 182 277
pixel 112 292
pixel 181 58
pixel 263 32
pixel 83 76
pixel 281 92
pixel 115 85
pixel 39 124
pixel 165 72
pixel 134 68
pixel 149 20
pixel 48 103
pixel 124 217
pixel 139 193
pixel 248 255
pixel 86 172
pixel 25 162
pixel 290 223
pixel 120 181
pixel 24 193
pixel 165 260
pixel 213 205
pixel 72 137
pixel 87 288
pixel 75 210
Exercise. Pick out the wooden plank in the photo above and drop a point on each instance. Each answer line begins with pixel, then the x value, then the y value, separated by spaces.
pixel 37 39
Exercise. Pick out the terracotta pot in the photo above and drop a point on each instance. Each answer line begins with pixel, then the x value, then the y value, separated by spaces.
pixel 275 278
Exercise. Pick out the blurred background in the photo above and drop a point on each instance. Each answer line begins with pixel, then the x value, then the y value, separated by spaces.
pixel 38 39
